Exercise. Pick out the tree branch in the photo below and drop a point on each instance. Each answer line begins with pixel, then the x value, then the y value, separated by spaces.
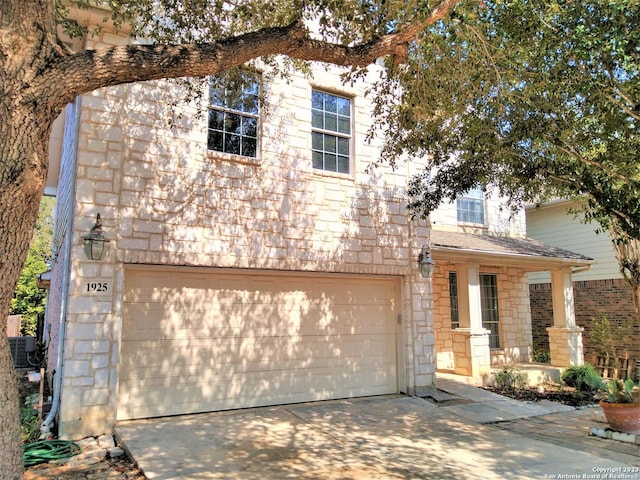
pixel 624 107
pixel 486 47
pixel 91 69
pixel 569 150
pixel 577 185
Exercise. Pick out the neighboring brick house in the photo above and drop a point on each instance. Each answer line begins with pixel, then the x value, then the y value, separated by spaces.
pixel 599 290
pixel 254 259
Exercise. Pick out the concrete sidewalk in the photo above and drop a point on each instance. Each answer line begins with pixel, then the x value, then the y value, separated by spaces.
pixel 482 406
pixel 387 437
pixel 546 421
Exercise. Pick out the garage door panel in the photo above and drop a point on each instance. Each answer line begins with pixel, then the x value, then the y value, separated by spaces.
pixel 235 291
pixel 221 391
pixel 340 380
pixel 160 321
pixel 265 379
pixel 196 341
pixel 182 356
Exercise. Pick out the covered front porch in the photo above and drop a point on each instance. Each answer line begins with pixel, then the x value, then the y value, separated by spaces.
pixel 482 314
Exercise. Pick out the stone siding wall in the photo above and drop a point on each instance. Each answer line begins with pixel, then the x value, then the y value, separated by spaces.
pixel 515 317
pixel 164 199
pixel 442 317
pixel 514 314
pixel 498 220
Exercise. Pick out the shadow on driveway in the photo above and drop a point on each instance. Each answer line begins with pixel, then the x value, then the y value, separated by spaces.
pixel 386 437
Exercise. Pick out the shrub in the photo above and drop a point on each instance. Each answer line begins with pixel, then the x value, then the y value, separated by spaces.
pixel 510 378
pixel 575 376
pixel 541 356
pixel 616 390
pixel 29 421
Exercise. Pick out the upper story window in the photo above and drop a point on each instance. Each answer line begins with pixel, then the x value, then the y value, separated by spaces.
pixel 233 116
pixel 330 132
pixel 470 207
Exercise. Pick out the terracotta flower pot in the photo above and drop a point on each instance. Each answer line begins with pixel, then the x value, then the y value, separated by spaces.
pixel 623 417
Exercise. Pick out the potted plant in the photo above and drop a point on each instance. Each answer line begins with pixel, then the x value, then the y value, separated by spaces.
pixel 621 402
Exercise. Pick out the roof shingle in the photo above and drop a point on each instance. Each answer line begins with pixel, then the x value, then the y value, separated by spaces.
pixel 501 245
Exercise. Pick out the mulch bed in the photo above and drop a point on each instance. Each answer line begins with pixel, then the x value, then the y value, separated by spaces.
pixel 117 468
pixel 122 468
pixel 551 392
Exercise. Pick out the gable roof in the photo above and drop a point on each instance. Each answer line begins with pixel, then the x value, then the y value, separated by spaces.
pixel 503 249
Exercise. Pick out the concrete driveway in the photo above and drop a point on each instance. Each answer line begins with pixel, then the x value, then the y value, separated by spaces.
pixel 387 437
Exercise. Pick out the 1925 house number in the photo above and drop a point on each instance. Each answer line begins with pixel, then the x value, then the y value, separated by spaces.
pixel 97 287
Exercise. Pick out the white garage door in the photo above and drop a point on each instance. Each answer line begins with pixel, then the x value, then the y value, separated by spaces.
pixel 196 341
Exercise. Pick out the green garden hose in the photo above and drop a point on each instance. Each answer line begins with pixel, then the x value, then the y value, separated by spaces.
pixel 46 450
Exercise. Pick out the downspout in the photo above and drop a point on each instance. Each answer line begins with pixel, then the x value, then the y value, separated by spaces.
pixel 45 428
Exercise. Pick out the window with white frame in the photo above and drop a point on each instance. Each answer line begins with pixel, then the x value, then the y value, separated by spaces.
pixel 470 207
pixel 234 116
pixel 330 132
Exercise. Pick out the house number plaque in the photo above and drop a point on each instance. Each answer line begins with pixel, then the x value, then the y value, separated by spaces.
pixel 97 287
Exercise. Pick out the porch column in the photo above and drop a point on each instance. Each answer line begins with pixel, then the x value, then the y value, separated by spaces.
pixel 471 340
pixel 565 337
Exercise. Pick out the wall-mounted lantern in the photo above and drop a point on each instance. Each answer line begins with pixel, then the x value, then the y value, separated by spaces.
pixel 425 262
pixel 96 244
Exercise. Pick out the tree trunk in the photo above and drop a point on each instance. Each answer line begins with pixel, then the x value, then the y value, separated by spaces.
pixel 27 108
pixel 23 167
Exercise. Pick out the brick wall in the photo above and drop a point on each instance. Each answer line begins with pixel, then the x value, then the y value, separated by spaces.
pixel 592 299
pixel 541 315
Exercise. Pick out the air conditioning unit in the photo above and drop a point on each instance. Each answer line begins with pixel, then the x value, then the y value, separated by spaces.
pixel 19 347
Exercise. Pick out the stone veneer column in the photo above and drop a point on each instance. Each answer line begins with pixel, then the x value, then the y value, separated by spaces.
pixel 471 340
pixel 421 337
pixel 565 338
pixel 471 350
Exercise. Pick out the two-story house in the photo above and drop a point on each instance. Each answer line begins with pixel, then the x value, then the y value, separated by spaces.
pixel 253 259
